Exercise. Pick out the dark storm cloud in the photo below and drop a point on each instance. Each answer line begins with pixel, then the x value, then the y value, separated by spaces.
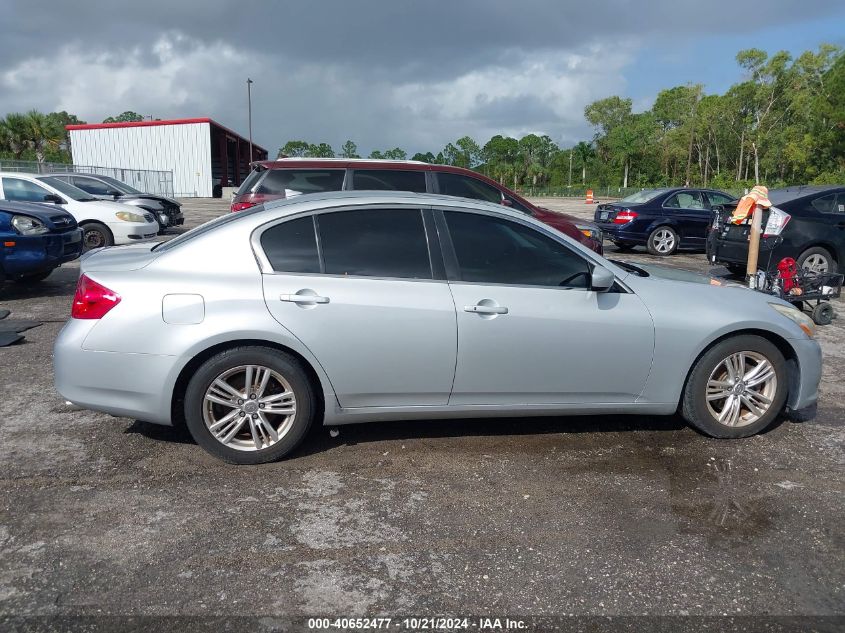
pixel 383 72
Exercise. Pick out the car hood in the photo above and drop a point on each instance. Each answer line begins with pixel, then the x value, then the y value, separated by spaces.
pixel 679 274
pixel 148 196
pixel 44 212
pixel 118 258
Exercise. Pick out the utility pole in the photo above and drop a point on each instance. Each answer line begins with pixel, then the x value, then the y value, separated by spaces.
pixel 570 167
pixel 249 83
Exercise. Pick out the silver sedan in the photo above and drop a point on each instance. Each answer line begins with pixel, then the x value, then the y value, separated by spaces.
pixel 360 306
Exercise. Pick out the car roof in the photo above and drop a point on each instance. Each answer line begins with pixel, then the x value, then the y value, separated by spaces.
pixel 786 194
pixel 299 159
pixel 329 199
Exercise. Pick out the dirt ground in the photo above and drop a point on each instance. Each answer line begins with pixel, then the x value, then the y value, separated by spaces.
pixel 609 515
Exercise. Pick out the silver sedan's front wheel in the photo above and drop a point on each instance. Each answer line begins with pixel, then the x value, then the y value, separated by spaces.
pixel 737 388
pixel 249 405
pixel 741 388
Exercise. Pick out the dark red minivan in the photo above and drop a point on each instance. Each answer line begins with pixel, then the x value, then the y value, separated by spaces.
pixel 286 177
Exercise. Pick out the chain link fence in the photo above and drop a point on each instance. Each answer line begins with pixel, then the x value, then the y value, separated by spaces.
pixel 145 180
pixel 605 192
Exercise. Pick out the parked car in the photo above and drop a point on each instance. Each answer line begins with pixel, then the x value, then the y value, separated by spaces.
pixel 288 177
pixel 36 239
pixel 167 211
pixel 805 223
pixel 389 305
pixel 103 223
pixel 662 220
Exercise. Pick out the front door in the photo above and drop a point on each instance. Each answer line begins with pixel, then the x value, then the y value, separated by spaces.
pixel 692 216
pixel 529 329
pixel 365 303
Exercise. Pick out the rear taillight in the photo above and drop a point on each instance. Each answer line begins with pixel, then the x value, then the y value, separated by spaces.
pixel 92 300
pixel 625 216
pixel 240 206
pixel 776 223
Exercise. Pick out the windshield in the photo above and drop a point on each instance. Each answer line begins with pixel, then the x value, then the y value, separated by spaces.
pixel 122 187
pixel 66 189
pixel 643 196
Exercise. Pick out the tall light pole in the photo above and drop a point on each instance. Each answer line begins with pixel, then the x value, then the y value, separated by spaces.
pixel 249 83
pixel 570 166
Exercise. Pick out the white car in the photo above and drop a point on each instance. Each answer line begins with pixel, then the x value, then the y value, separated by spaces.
pixel 103 223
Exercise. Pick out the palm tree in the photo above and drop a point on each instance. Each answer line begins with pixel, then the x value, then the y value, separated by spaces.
pixel 584 151
pixel 13 134
pixel 41 132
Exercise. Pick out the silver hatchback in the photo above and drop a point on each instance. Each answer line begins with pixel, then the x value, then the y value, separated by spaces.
pixel 360 306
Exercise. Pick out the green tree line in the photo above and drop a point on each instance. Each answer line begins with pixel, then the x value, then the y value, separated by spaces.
pixel 783 124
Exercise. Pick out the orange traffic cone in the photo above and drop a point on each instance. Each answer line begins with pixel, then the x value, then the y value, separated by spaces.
pixel 589 199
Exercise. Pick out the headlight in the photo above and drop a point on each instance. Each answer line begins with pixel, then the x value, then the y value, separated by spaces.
pixel 26 225
pixel 796 316
pixel 126 216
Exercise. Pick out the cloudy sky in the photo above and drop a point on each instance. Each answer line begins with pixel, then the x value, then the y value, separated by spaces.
pixel 385 73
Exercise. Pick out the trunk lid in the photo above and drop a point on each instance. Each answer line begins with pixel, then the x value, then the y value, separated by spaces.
pixel 118 258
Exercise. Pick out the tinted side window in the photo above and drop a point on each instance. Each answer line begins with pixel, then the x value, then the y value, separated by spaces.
pixel 389 179
pixel 294 182
pixel 250 181
pixel 684 200
pixel 717 199
pixel 375 242
pixel 466 187
pixel 23 190
pixel 828 204
pixel 92 186
pixel 292 246
pixel 495 250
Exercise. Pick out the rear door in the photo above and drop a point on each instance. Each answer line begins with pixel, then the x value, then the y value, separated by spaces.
pixel 530 331
pixel 691 214
pixel 357 287
pixel 819 220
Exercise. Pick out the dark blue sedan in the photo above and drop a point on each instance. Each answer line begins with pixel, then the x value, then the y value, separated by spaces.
pixel 35 239
pixel 662 220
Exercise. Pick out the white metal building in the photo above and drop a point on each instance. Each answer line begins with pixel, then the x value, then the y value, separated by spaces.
pixel 200 152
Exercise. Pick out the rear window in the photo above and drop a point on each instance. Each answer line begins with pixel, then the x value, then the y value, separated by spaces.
pixel 250 181
pixel 643 196
pixel 389 180
pixel 295 182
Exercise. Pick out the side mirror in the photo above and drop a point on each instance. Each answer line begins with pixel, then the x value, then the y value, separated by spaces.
pixel 602 279
pixel 114 193
pixel 51 197
pixel 507 202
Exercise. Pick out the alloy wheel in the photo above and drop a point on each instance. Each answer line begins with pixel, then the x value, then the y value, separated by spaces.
pixel 664 241
pixel 816 263
pixel 741 389
pixel 249 407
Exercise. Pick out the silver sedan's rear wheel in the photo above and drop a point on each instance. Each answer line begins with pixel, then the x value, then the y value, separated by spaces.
pixel 249 408
pixel 737 388
pixel 249 405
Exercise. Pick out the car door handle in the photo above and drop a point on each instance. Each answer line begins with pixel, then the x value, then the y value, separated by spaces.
pixel 307 299
pixel 481 309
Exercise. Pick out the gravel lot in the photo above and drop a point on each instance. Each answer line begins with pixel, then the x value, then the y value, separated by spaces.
pixel 586 516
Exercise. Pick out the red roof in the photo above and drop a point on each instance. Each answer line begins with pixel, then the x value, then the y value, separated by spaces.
pixel 120 124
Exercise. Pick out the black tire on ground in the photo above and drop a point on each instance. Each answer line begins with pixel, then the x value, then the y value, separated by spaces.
pixel 694 405
pixel 95 235
pixel 738 270
pixel 662 234
pixel 624 246
pixel 817 254
pixel 288 367
pixel 823 313
pixel 33 278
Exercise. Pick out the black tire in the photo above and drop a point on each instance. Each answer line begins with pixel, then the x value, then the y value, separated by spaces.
pixel 292 372
pixel 695 407
pixel 737 270
pixel 624 247
pixel 656 239
pixel 817 253
pixel 823 313
pixel 95 235
pixel 33 278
